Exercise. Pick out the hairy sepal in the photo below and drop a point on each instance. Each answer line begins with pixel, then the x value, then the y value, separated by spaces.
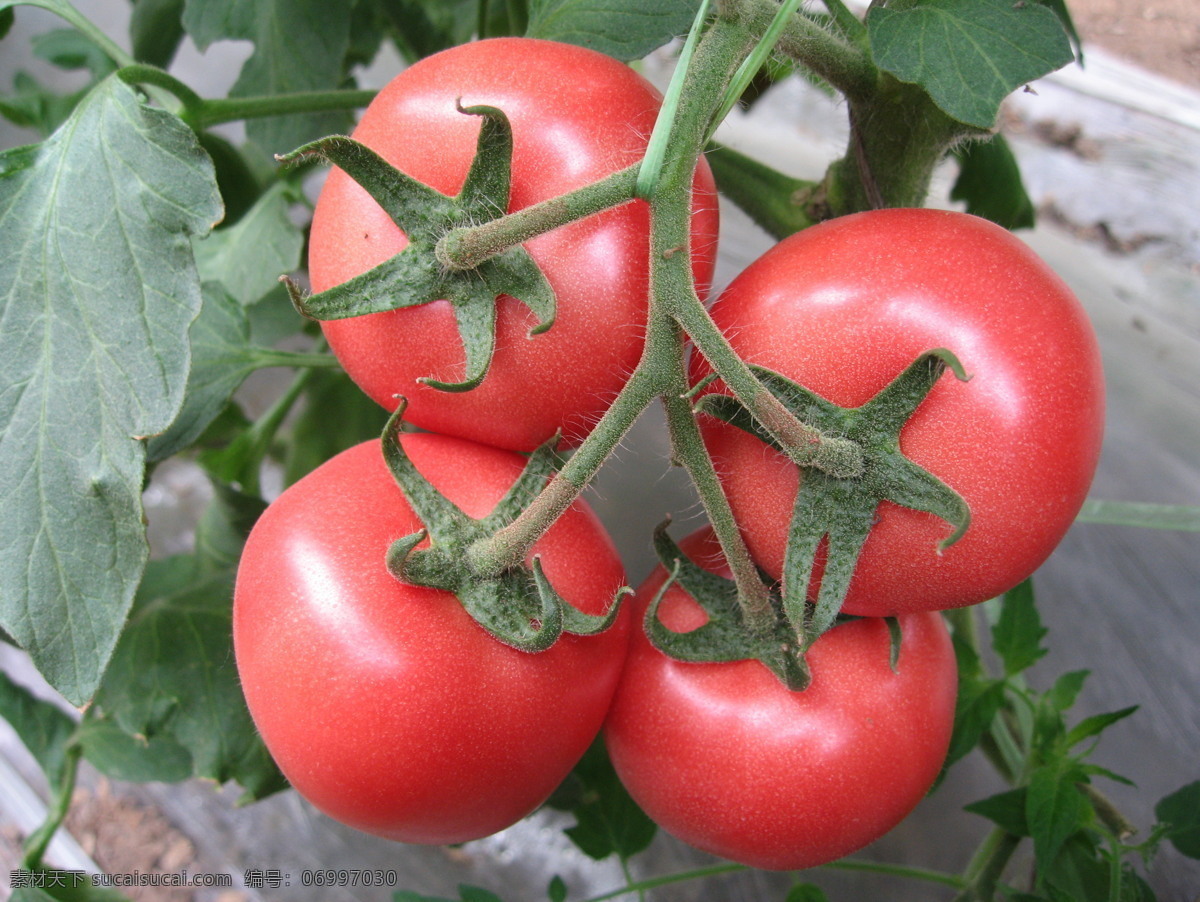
pixel 415 276
pixel 518 606
pixel 839 512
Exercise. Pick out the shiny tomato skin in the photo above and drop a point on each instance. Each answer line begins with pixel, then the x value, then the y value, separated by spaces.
pixel 842 309
pixel 724 757
pixel 384 704
pixel 577 116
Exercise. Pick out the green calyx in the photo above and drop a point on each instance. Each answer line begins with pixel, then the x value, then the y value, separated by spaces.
pixel 415 276
pixel 518 606
pixel 726 636
pixel 841 511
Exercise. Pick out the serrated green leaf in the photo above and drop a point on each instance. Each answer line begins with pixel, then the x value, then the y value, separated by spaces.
pixel 625 29
pixel 1005 809
pixel 989 180
pixel 221 360
pixel 1094 725
pixel 97 291
pixel 608 820
pixel 299 45
pixel 1018 633
pixel 173 675
pixel 968 55
pixel 134 759
pixel 1181 812
pixel 1066 689
pixel 43 727
pixel 976 707
pixel 1054 810
pixel 249 257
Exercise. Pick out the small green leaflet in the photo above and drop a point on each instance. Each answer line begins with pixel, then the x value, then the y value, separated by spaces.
pixel 968 54
pixel 625 29
pixel 97 291
pixel 1181 811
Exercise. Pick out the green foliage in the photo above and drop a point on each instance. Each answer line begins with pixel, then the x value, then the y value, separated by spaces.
pixel 625 29
pixel 96 225
pixel 307 55
pixel 128 328
pixel 607 821
pixel 968 54
pixel 989 180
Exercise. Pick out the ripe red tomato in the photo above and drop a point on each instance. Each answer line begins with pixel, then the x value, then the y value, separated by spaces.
pixel 576 116
pixel 842 309
pixel 383 703
pixel 726 758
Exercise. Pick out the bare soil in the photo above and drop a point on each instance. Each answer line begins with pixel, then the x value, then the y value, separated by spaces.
pixel 1162 36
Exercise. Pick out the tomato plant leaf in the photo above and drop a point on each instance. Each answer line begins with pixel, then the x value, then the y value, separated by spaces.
pixel 1180 811
pixel 607 819
pixel 310 441
pixel 42 726
pixel 97 291
pixel 989 180
pixel 173 675
pixel 1054 809
pixel 306 54
pixel 156 30
pixel 415 275
pixel 806 892
pixel 768 196
pixel 134 759
pixel 1096 724
pixel 625 29
pixel 221 359
pixel 978 703
pixel 1006 810
pixel 1018 633
pixel 968 55
pixel 249 256
pixel 556 890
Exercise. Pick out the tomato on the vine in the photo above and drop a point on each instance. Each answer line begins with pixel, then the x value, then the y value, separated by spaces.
pixel 576 116
pixel 385 704
pixel 726 758
pixel 842 309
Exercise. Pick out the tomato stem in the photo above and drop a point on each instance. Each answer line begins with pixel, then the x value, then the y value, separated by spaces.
pixel 467 247
pixel 231 109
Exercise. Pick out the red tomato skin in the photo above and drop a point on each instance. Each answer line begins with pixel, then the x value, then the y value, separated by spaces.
pixel 724 757
pixel 842 309
pixel 577 116
pixel 384 704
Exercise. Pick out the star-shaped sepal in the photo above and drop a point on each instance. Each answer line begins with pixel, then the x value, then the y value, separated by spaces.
pixel 415 276
pixel 842 510
pixel 519 606
pixel 726 636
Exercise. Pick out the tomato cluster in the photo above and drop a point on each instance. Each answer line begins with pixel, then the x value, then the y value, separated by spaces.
pixel 383 703
pixel 388 708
